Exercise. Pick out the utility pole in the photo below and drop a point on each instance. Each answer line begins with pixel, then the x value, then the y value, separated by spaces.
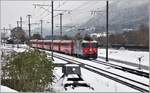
pixel 21 22
pixel 17 24
pixel 107 30
pixel 61 25
pixel 29 16
pixel 10 27
pixel 52 28
pixel 17 31
pixel 41 28
pixel 4 35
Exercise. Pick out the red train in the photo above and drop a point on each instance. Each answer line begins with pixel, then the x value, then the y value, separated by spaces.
pixel 85 49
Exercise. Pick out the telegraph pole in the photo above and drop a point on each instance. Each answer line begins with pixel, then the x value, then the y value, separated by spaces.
pixel 17 30
pixel 41 28
pixel 4 35
pixel 21 22
pixel 61 25
pixel 52 28
pixel 29 16
pixel 107 30
pixel 17 24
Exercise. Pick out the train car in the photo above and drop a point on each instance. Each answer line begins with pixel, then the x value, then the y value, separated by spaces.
pixel 66 46
pixel 83 48
pixel 47 44
pixel 40 44
pixel 33 43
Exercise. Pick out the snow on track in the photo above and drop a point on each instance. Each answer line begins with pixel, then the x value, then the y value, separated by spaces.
pixel 125 74
pixel 99 83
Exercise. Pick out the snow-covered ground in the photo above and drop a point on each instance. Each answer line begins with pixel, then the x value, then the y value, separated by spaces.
pixel 126 55
pixel 99 83
pixel 116 55
pixel 6 89
pixel 10 47
pixel 122 73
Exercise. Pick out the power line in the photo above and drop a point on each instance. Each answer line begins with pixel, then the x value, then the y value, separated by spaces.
pixel 42 7
pixel 59 7
pixel 87 6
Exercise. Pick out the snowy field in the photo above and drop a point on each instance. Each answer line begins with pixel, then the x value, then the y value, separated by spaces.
pixel 126 55
pixel 99 83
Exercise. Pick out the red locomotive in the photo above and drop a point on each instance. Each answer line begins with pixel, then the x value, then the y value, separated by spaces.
pixel 85 49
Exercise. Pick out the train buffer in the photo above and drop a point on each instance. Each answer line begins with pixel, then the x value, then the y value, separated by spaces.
pixel 72 77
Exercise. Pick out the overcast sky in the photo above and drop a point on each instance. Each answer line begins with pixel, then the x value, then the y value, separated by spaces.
pixel 12 10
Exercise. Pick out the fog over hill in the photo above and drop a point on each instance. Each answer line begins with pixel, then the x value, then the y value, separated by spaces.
pixel 123 14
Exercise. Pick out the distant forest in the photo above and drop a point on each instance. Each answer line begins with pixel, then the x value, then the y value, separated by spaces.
pixel 138 37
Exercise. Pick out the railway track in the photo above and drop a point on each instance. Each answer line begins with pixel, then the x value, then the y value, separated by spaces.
pixel 110 75
pixel 126 63
pixel 122 68
pixel 126 69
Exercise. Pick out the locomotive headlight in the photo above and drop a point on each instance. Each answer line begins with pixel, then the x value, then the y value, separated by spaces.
pixel 90 50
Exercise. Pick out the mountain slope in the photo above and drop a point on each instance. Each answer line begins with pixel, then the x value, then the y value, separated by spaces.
pixel 123 14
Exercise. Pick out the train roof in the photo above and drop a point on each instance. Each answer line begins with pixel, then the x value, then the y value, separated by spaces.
pixel 64 41
pixel 85 41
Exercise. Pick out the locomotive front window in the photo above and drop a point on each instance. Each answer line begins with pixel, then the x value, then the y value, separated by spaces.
pixel 95 45
pixel 84 45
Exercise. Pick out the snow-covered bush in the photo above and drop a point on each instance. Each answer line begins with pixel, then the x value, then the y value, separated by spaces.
pixel 28 71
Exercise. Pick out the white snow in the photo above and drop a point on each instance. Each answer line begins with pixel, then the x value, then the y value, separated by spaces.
pixel 122 73
pixel 98 82
pixel 10 47
pixel 6 89
pixel 126 55
pixel 73 65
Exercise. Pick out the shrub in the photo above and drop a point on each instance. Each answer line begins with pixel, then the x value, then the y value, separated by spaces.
pixel 28 71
